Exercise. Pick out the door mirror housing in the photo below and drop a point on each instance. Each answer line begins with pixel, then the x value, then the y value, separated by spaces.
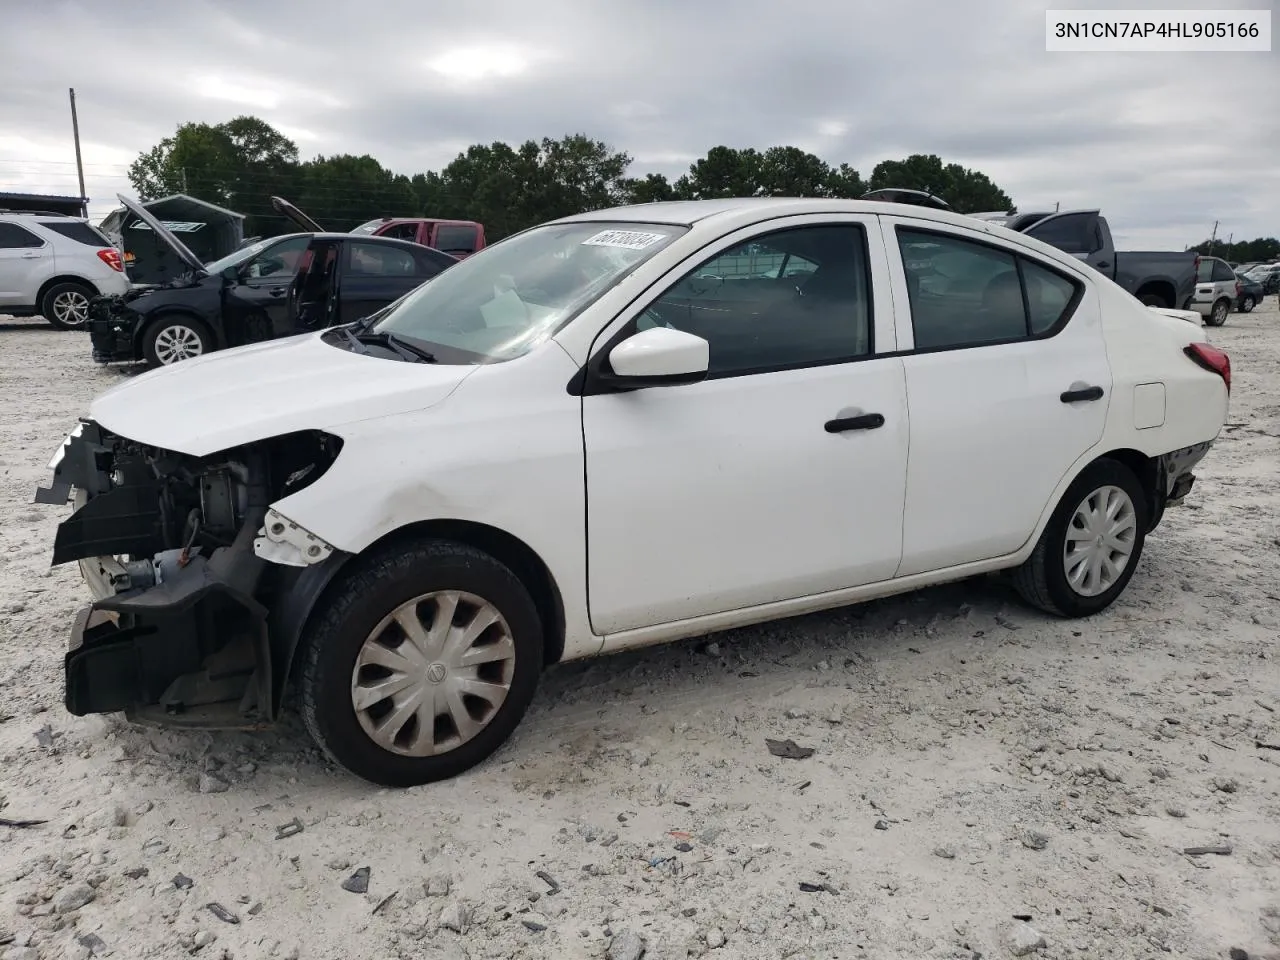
pixel 231 275
pixel 657 357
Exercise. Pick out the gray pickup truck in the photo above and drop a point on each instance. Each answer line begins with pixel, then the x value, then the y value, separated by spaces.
pixel 1157 279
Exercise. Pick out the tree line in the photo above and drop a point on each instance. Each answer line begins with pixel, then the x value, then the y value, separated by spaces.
pixel 241 163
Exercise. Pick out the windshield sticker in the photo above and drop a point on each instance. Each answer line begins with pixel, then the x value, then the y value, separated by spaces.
pixel 624 239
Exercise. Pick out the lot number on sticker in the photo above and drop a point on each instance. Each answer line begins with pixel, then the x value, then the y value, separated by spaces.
pixel 626 239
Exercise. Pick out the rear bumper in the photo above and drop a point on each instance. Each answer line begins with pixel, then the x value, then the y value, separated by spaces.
pixel 1174 478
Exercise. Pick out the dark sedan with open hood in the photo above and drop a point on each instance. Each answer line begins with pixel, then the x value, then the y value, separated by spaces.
pixel 274 288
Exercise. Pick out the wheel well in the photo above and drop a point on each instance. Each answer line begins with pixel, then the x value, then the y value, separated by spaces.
pixel 54 281
pixel 1146 469
pixel 1158 288
pixel 523 561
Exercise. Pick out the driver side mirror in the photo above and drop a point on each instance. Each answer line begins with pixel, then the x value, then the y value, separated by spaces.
pixel 231 275
pixel 657 357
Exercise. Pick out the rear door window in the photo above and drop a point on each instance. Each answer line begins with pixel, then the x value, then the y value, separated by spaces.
pixel 381 260
pixel 1071 233
pixel 401 231
pixel 1221 272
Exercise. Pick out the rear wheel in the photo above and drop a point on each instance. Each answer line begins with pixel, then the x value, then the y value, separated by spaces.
pixel 1218 315
pixel 421 664
pixel 176 338
pixel 1246 303
pixel 1154 300
pixel 66 305
pixel 1091 546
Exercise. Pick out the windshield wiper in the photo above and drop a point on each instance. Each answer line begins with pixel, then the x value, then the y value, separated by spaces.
pixel 406 348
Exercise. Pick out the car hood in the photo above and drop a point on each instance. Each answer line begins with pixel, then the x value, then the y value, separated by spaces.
pixel 164 233
pixel 231 397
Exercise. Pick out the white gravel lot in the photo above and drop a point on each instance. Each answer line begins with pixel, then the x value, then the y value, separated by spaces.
pixel 974 762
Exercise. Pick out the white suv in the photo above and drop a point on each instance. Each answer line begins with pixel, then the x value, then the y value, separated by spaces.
pixel 52 265
pixel 1217 288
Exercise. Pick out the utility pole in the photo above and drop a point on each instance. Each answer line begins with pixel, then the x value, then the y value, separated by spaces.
pixel 1056 205
pixel 75 132
pixel 1214 238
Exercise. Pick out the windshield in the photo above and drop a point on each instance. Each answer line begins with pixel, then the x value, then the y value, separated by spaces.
pixel 242 255
pixel 505 300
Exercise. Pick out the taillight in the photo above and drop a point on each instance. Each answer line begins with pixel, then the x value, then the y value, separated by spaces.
pixel 1212 359
pixel 111 257
pixel 1237 288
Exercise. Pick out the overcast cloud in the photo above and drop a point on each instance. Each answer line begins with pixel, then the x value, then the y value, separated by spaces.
pixel 1164 143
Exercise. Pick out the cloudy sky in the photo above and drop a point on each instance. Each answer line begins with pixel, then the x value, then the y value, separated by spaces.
pixel 1164 143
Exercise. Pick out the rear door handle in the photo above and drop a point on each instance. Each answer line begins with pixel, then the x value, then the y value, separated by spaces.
pixel 866 421
pixel 1084 393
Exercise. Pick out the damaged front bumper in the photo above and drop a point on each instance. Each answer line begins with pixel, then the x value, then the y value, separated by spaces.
pixel 113 326
pixel 179 633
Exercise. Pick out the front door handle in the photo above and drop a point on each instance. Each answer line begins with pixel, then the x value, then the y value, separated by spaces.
pixel 1083 393
pixel 866 421
pixel 32 256
pixel 1104 264
pixel 276 292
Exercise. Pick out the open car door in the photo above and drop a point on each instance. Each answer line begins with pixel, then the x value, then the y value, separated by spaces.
pixel 286 209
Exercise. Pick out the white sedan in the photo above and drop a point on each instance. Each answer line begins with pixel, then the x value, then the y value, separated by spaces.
pixel 617 429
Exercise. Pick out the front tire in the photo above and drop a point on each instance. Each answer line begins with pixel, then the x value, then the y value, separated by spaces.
pixel 66 305
pixel 1091 546
pixel 421 663
pixel 1218 315
pixel 176 338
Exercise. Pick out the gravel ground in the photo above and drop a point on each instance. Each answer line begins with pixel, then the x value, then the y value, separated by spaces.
pixel 974 762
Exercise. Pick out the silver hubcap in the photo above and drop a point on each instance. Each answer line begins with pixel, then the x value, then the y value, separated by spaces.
pixel 71 308
pixel 1100 541
pixel 177 342
pixel 433 674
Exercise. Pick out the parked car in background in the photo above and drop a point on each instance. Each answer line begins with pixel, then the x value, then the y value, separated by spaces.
pixel 1251 293
pixel 274 288
pixel 1217 289
pixel 1267 274
pixel 458 238
pixel 601 434
pixel 1157 279
pixel 53 266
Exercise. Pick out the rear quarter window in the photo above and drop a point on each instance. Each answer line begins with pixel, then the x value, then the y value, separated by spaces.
pixel 77 231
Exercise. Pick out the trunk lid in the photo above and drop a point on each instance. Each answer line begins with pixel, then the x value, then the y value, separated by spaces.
pixel 164 233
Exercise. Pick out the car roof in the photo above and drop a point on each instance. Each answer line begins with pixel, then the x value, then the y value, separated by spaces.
pixel 687 213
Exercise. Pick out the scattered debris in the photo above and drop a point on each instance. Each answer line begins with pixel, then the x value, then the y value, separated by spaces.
pixel 626 945
pixel 549 881
pixel 882 825
pixel 183 882
pixel 222 913
pixel 788 749
pixel 1265 707
pixel 209 783
pixel 1220 850
pixel 95 944
pixel 456 917
pixel 818 888
pixel 1266 746
pixel 945 853
pixel 136 873
pixel 1023 939
pixel 684 846
pixel 1175 811
pixel 358 882
pixel 72 898
pixel 1226 784
pixel 534 926
pixel 290 829
pixel 382 904
pixel 45 736
pixel 21 824
pixel 1034 839
pixel 1237 954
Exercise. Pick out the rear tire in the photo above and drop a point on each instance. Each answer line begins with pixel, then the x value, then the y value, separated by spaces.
pixel 66 305
pixel 1246 304
pixel 175 338
pixel 1050 578
pixel 1154 300
pixel 399 695
pixel 1218 315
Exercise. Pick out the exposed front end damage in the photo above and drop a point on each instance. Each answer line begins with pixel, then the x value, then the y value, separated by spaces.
pixel 200 587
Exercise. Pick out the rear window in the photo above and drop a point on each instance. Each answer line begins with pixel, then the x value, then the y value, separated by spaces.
pixel 78 231
pixel 454 238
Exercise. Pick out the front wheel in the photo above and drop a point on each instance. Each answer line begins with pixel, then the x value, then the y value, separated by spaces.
pixel 1093 542
pixel 421 664
pixel 173 339
pixel 1218 316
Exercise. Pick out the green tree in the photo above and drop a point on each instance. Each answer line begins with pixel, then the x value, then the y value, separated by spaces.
pixel 651 188
pixel 1246 251
pixel 237 164
pixel 344 191
pixel 777 172
pixel 967 191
